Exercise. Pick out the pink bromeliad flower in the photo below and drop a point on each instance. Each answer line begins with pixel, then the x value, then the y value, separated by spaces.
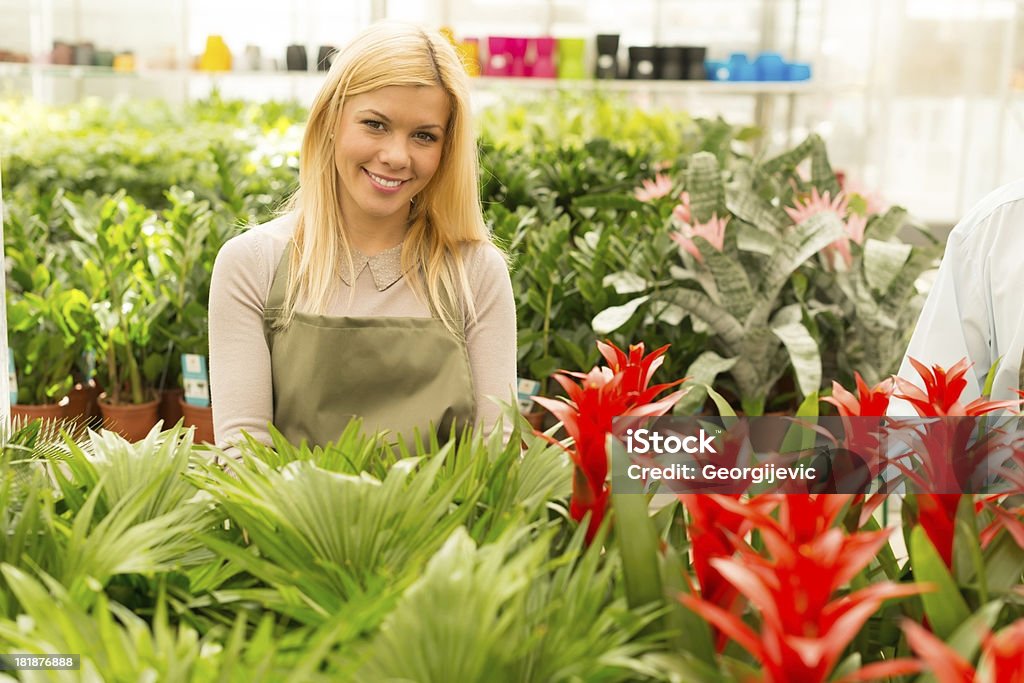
pixel 681 213
pixel 650 190
pixel 713 231
pixel 839 251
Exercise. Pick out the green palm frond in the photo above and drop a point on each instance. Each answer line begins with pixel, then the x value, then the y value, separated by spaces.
pixel 117 645
pixel 160 459
pixel 504 612
pixel 323 537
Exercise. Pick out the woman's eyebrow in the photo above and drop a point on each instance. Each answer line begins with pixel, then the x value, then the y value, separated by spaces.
pixel 386 119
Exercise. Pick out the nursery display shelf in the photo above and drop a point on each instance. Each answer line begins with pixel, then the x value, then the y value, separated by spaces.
pixel 484 83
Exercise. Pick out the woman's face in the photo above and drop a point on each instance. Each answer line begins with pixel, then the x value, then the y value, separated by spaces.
pixel 387 148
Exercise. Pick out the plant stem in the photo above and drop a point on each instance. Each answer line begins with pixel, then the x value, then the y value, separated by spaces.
pixel 115 381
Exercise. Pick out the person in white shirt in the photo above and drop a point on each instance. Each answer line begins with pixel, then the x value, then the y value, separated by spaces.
pixel 975 309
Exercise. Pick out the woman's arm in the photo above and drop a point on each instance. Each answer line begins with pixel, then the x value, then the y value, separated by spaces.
pixel 240 379
pixel 491 339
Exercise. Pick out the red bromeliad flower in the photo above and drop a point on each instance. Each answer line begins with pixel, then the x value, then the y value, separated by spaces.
pixel 595 399
pixel 863 436
pixel 715 529
pixel 941 394
pixel 1011 519
pixel 868 401
pixel 946 453
pixel 804 627
pixel 1002 657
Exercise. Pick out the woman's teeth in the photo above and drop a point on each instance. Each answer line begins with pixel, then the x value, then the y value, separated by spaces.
pixel 386 183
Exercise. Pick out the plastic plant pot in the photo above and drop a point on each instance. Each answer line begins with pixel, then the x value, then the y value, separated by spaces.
pixel 544 65
pixel 571 53
pixel 672 63
pixel 695 69
pixel 770 67
pixel 516 48
pixel 798 71
pixel 607 56
pixel 643 61
pixel 497 56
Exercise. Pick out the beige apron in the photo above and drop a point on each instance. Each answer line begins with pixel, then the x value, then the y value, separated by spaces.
pixel 398 374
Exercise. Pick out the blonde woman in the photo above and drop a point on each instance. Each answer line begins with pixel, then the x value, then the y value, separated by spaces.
pixel 378 294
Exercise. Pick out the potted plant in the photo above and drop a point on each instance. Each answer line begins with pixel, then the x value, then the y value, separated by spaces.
pixel 47 318
pixel 113 262
pixel 46 330
pixel 758 272
pixel 183 252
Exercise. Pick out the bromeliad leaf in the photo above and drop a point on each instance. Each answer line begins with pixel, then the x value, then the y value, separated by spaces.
pixel 803 353
pixel 883 261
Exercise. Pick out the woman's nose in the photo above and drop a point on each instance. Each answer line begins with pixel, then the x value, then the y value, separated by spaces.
pixel 394 153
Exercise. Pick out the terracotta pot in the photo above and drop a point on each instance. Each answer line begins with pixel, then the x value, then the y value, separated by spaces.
pixel 130 420
pixel 81 403
pixel 170 408
pixel 201 418
pixel 48 412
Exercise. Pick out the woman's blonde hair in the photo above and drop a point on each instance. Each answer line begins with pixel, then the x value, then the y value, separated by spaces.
pixel 445 215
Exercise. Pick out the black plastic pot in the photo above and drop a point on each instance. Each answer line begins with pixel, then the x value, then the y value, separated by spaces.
pixel 296 58
pixel 695 57
pixel 607 56
pixel 671 63
pixel 325 57
pixel 643 62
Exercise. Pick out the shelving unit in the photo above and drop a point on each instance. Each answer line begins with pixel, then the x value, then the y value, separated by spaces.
pixel 928 127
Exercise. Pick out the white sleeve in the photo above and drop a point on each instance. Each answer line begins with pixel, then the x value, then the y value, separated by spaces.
pixel 240 379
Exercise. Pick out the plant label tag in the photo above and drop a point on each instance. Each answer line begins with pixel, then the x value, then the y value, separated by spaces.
pixel 195 379
pixel 524 390
pixel 12 378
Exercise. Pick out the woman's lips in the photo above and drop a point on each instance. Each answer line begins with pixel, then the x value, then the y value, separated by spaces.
pixel 388 188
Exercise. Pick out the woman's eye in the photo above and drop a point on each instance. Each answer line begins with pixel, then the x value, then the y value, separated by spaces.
pixel 374 124
pixel 426 137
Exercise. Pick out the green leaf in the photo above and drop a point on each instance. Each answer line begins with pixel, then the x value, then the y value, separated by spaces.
pixel 767 220
pixel 884 227
pixel 614 317
pixel 731 280
pixel 803 354
pixel 637 541
pixel 883 262
pixel 625 282
pixel 704 184
pixel 945 607
pixel 701 373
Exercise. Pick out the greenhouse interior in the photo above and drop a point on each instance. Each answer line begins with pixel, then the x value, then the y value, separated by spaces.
pixel 482 341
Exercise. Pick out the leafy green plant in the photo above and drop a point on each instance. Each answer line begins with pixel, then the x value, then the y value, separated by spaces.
pixel 47 328
pixel 181 252
pixel 766 286
pixel 112 254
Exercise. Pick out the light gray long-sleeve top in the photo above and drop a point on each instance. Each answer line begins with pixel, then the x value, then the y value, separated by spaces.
pixel 240 377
